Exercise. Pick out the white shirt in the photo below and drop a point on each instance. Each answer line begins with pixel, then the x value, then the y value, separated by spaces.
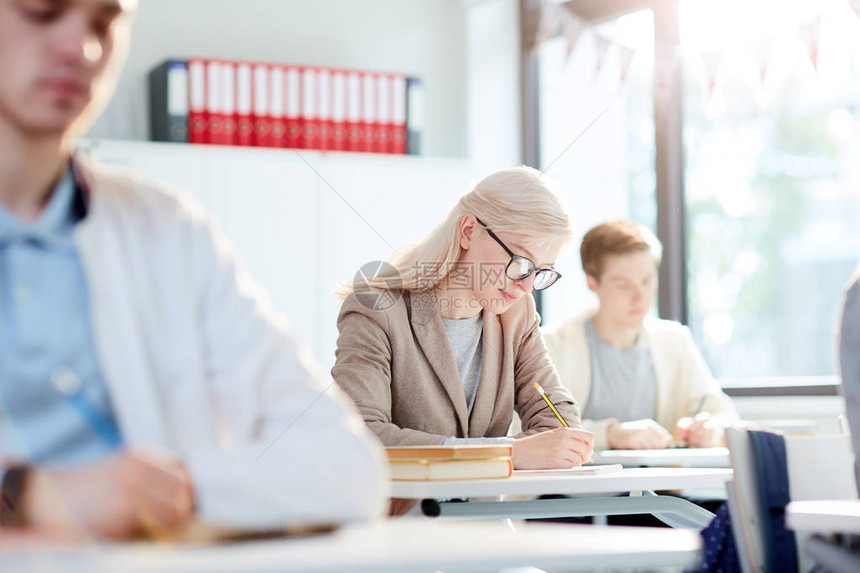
pixel 197 362
pixel 681 375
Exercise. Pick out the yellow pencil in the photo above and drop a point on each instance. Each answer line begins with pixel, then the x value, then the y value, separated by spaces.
pixel 550 404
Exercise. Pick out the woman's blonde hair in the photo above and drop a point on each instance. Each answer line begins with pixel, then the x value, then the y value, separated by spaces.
pixel 518 200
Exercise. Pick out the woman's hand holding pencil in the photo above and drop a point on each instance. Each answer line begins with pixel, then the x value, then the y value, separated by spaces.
pixel 554 449
pixel 563 447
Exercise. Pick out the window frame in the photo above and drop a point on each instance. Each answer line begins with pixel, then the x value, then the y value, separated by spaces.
pixel 669 165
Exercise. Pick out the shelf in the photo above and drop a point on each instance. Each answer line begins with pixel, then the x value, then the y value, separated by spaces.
pixel 156 147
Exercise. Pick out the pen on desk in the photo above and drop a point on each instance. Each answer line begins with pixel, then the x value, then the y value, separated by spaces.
pixel 699 407
pixel 550 404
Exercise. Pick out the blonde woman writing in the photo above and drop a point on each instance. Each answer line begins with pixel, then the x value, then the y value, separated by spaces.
pixel 442 345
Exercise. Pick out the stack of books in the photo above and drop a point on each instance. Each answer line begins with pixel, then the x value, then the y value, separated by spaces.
pixel 416 463
pixel 220 102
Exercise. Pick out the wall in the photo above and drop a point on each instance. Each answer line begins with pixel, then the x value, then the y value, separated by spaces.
pixel 423 38
pixel 493 84
pixel 467 53
pixel 303 223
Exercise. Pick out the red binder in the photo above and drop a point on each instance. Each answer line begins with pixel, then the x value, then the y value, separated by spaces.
pixel 277 134
pixel 293 137
pixel 256 104
pixel 354 129
pixel 262 126
pixel 214 84
pixel 382 141
pixel 244 105
pixel 228 102
pixel 369 123
pixel 324 108
pixel 398 114
pixel 197 120
pixel 310 103
pixel 338 111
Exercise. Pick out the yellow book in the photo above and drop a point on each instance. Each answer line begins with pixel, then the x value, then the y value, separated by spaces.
pixel 447 452
pixel 451 469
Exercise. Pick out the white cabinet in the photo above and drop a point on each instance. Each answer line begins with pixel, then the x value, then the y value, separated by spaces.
pixel 304 221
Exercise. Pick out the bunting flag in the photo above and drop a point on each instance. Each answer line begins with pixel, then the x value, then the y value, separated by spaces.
pixel 810 32
pixel 665 68
pixel 761 49
pixel 558 19
pixel 712 63
pixel 572 28
pixel 625 57
pixel 602 45
pixel 550 23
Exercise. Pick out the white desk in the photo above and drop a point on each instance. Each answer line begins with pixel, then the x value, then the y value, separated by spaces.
pixel 667 457
pixel 639 482
pixel 830 516
pixel 404 546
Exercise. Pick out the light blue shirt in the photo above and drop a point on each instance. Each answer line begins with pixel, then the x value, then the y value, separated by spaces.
pixel 54 405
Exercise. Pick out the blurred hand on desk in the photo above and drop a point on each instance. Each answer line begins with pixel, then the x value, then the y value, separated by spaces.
pixel 700 431
pixel 123 496
pixel 645 434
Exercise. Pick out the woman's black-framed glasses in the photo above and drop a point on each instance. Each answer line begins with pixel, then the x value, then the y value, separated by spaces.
pixel 521 267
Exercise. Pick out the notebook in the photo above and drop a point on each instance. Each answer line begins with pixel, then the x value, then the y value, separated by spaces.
pixel 422 470
pixel 584 470
pixel 447 452
pixel 420 463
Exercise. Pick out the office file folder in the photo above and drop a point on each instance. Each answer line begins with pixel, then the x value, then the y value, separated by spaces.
pixel 257 104
pixel 168 102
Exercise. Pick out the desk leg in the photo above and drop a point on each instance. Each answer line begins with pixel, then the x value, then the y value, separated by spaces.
pixel 689 518
pixel 674 511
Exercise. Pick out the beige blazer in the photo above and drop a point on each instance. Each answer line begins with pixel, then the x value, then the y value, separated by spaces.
pixel 398 367
pixel 682 377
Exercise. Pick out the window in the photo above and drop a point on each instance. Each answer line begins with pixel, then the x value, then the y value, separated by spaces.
pixel 772 183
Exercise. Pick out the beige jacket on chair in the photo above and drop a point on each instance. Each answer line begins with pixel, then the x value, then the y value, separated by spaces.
pixel 681 375
pixel 399 369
